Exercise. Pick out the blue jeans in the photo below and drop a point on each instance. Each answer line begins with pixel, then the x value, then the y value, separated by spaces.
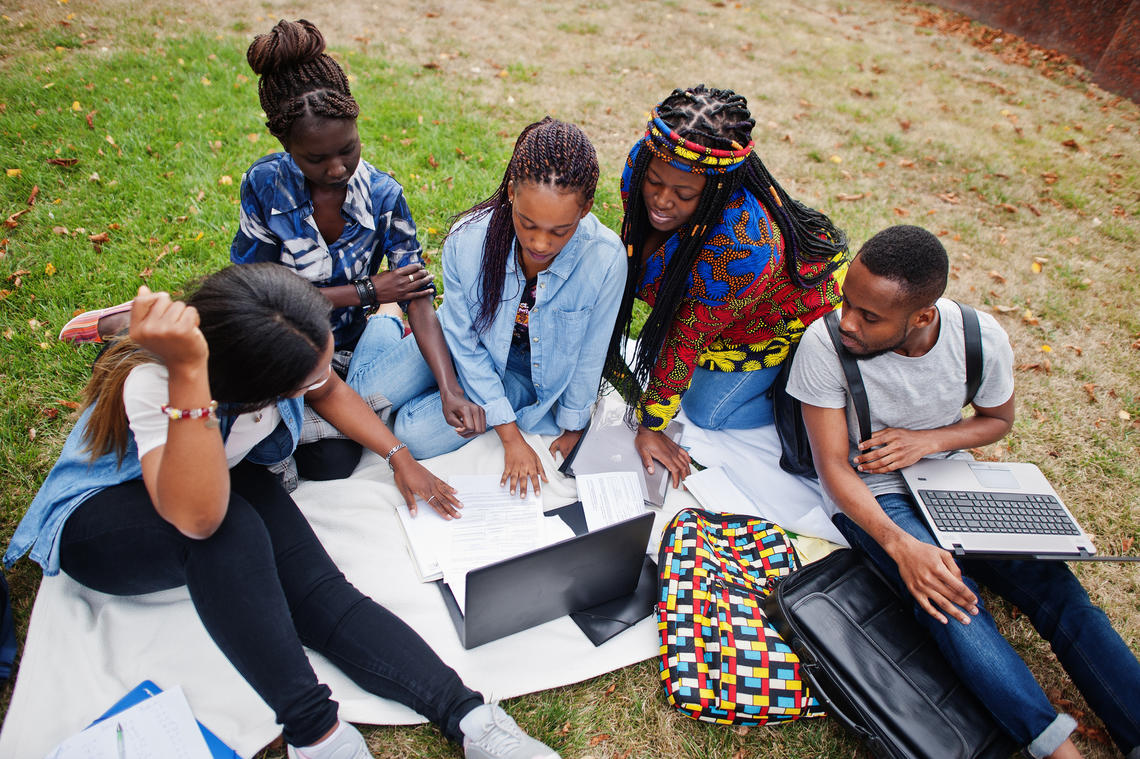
pixel 384 361
pixel 263 585
pixel 421 426
pixel 1096 658
pixel 730 400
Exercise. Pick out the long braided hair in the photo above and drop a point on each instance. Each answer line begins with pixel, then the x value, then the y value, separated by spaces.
pixel 297 77
pixel 718 119
pixel 546 152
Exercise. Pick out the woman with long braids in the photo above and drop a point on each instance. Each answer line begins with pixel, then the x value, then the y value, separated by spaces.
pixel 532 282
pixel 163 482
pixel 333 218
pixel 732 268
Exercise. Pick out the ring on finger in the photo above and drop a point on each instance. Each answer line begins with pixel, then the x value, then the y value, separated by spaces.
pixel 411 277
pixel 429 500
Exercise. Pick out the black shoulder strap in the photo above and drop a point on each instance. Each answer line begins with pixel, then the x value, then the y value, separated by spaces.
pixel 854 377
pixel 972 334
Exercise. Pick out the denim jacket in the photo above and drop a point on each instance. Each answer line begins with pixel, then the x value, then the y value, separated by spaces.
pixel 576 303
pixel 75 478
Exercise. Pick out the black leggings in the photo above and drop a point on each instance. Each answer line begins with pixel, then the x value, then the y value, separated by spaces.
pixel 263 585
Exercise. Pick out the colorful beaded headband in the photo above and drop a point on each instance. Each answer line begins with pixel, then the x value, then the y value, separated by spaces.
pixel 685 155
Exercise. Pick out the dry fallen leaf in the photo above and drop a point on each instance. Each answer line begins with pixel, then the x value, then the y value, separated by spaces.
pixel 1028 318
pixel 599 738
pixel 67 162
pixel 1090 388
pixel 906 163
pixel 1071 144
pixel 35 194
pixel 1126 544
pixel 856 196
pixel 1049 177
pixel 901 211
pixel 997 276
pixel 1005 309
pixel 432 161
pixel 1123 415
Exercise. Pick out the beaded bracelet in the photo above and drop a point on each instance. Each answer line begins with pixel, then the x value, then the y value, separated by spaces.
pixel 174 414
pixel 395 449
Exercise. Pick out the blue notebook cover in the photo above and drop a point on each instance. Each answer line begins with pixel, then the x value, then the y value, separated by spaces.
pixel 145 690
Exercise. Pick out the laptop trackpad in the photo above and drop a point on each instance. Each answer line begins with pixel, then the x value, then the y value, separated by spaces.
pixel 994 476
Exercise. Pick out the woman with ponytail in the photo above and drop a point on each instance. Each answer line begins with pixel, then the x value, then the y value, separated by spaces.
pixel 532 281
pixel 163 482
pixel 732 268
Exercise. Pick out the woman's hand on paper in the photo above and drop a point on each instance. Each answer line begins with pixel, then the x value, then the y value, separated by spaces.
pixel 413 479
pixel 520 466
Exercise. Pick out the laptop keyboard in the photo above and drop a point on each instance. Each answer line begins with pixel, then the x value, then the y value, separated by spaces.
pixel 955 511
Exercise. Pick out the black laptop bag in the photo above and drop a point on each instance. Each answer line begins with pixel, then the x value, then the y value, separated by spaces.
pixel 874 668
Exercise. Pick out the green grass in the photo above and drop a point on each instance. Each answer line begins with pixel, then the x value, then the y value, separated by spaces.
pixel 169 216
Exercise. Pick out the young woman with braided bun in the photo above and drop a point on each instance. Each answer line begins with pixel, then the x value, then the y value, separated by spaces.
pixel 532 282
pixel 333 218
pixel 731 266
pixel 163 483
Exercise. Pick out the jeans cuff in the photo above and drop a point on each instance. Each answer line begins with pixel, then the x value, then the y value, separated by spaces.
pixel 1052 737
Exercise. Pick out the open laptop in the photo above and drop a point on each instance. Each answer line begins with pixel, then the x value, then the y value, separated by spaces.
pixel 998 510
pixel 549 582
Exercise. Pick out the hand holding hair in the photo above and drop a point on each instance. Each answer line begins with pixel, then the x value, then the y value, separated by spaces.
pixel 168 328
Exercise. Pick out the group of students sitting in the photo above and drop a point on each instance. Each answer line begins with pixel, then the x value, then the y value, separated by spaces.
pixel 164 480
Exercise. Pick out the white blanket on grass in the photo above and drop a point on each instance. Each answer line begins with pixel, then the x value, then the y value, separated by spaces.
pixel 85 649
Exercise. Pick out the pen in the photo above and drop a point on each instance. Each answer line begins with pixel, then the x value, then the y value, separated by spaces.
pixel 119 740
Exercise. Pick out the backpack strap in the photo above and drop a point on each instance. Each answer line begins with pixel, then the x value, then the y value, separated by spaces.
pixel 854 377
pixel 972 334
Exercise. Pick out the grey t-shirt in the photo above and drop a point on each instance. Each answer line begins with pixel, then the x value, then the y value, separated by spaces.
pixel 917 393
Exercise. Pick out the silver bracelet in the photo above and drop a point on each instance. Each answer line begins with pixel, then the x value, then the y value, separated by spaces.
pixel 393 452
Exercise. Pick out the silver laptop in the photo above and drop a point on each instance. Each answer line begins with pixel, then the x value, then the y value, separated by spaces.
pixel 997 509
pixel 608 446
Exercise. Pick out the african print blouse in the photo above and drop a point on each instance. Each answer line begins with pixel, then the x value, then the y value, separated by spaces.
pixel 742 311
pixel 277 225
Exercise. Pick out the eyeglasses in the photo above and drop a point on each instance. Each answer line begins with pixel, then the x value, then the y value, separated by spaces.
pixel 319 383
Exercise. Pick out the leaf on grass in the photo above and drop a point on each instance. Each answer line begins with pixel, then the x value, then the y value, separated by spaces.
pixel 431 65
pixel 1040 366
pixel 1126 544
pixel 1090 388
pixel 73 405
pixel 31 433
pixel 906 163
pixel 225 179
pixel 1123 415
pixel 1008 207
pixel 623 755
pixel 1071 144
pixel 599 738
pixel 741 729
pixel 901 211
pixel 610 689
pixel 98 240
pixel 950 197
pixel 1036 267
pixel 14 220
pixel 835 159
pixel 13 172
pixel 997 276
pixel 66 162
pixel 856 196
pixel 1049 177
pixel 60 230
pixel 35 194
pixel 432 161
pixel 91 119
pixel 565 729
pixel 1005 309
pixel 49 269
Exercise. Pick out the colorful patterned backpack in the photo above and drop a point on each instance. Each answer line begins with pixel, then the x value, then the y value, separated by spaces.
pixel 721 661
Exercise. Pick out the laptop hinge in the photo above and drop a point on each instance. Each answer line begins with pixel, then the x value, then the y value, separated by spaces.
pixel 958 550
pixel 1084 552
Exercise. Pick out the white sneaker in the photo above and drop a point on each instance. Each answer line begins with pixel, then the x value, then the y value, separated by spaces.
pixel 346 742
pixel 490 733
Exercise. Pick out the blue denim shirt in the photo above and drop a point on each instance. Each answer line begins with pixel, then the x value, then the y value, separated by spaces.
pixel 576 303
pixel 75 478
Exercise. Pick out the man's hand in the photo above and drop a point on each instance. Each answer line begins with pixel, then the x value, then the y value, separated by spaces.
pixel 894 448
pixel 934 579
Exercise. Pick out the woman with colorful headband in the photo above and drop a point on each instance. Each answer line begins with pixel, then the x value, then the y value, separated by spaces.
pixel 732 268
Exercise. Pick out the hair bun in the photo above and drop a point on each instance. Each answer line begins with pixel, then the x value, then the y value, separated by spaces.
pixel 287 45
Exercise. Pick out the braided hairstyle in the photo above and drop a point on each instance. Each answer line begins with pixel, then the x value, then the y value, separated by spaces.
pixel 719 119
pixel 547 152
pixel 297 77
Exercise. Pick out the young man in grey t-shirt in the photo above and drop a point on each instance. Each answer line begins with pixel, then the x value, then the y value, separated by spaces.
pixel 912 360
